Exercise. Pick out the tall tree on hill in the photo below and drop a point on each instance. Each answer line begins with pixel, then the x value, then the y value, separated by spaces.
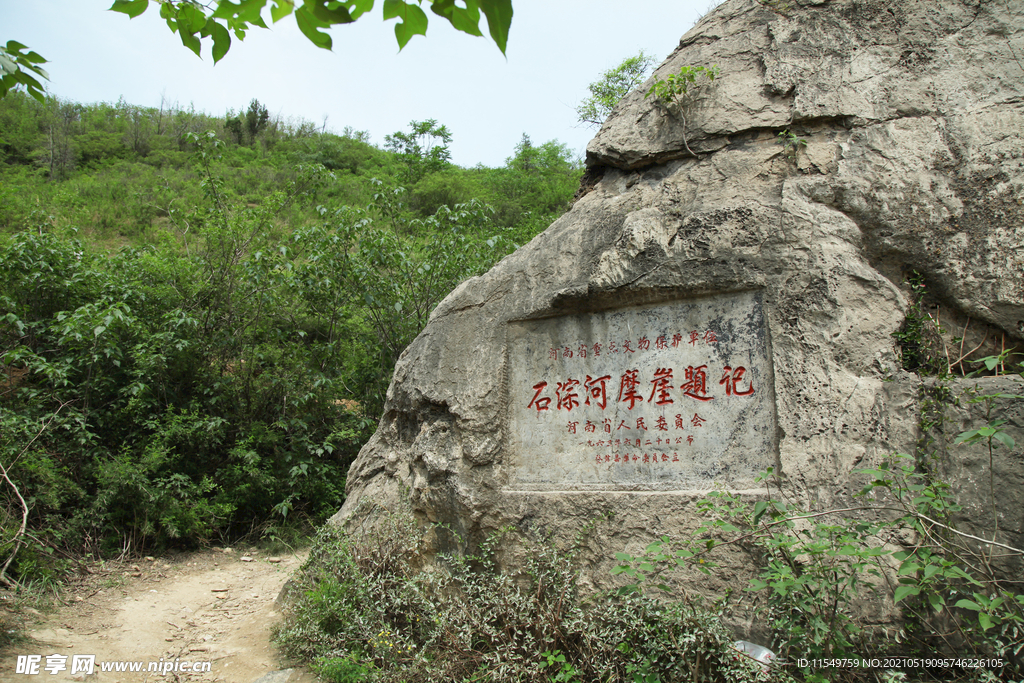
pixel 246 127
pixel 63 118
pixel 424 149
pixel 256 119
pixel 613 85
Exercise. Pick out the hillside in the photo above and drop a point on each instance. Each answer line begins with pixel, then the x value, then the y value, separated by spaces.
pixel 201 314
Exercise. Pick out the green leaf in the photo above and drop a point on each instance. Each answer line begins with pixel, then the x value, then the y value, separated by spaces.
pixel 28 81
pixel 908 568
pixel 330 15
pixel 968 604
pixel 961 574
pixel 358 8
pixel 905 590
pixel 247 11
pixel 35 58
pixel 1005 439
pixel 7 65
pixel 132 8
pixel 221 40
pixel 964 437
pixel 499 20
pixel 465 19
pixel 414 22
pixel 985 620
pixel 309 24
pixel 393 8
pixel 759 510
pixel 623 557
pixel 190 41
pixel 281 9
pixel 194 19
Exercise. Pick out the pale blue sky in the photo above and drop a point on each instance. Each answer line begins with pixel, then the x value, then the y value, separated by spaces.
pixel 556 47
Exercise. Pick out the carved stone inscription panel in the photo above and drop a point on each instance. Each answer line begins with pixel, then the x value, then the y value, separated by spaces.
pixel 677 396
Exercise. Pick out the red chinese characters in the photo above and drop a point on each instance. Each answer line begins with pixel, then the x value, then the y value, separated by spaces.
pixel 595 388
pixel 627 388
pixel 696 385
pixel 731 378
pixel 541 403
pixel 567 396
pixel 582 350
pixel 662 377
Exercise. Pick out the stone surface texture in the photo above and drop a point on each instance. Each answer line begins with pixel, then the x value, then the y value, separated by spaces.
pixel 913 117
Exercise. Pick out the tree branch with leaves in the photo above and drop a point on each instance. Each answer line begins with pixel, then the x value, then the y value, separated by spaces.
pixel 17 66
pixel 613 85
pixel 217 20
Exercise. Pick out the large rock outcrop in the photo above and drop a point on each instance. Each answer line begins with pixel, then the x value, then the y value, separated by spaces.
pixel 750 289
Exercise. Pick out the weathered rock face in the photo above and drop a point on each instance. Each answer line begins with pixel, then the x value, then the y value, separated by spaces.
pixel 750 292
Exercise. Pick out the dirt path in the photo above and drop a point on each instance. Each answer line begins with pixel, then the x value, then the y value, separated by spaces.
pixel 211 607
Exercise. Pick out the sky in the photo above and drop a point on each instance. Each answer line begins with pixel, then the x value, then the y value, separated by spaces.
pixel 486 99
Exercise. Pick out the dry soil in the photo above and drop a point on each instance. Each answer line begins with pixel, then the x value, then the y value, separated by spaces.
pixel 217 606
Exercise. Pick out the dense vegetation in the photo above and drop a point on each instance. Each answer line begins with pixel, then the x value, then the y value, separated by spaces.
pixel 199 316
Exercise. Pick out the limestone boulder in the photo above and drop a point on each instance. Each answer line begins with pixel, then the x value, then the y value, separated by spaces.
pixel 709 246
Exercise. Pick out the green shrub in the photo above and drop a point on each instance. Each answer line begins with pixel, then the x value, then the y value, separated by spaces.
pixel 815 565
pixel 364 598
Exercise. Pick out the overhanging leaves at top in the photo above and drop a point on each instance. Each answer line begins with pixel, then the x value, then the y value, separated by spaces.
pixel 193 21
pixel 15 67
